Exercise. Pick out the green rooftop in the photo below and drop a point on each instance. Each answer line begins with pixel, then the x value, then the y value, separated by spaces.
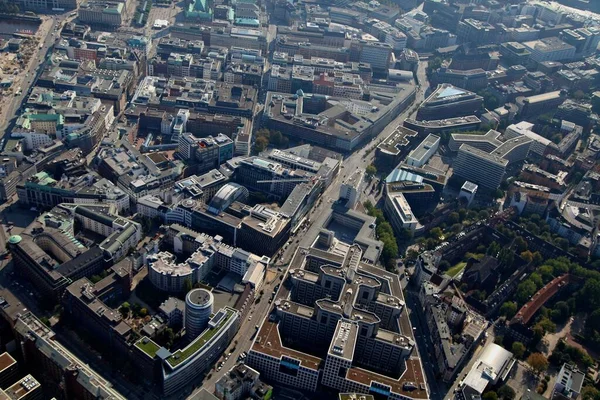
pixel 149 347
pixel 181 355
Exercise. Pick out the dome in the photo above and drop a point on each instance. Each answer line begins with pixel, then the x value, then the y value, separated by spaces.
pixel 14 239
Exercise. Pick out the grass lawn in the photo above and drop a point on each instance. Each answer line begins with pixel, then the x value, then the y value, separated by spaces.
pixel 453 271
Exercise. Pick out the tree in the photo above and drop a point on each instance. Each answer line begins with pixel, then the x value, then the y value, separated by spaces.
pixel 261 144
pixel 187 285
pixel 498 194
pixel 537 258
pixel 506 393
pixel 518 349
pixel 537 362
pixel 521 244
pixel 371 171
pixel 527 256
pixel 525 290
pixel 124 309
pixel 590 393
pixel 561 312
pixel 436 233
pixel 412 254
pixel 453 218
pixel 483 214
pixel 143 312
pixel 589 296
pixel 491 395
pixel 578 95
pixel 508 309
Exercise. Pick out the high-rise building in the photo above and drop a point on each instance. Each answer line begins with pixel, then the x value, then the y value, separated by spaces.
pixel 480 167
pixel 198 309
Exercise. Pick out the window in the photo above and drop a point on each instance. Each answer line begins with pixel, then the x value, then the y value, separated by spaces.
pixel 327 284
pixel 342 372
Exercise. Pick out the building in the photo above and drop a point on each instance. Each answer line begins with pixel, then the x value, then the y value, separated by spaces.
pixel 491 368
pixel 455 331
pixel 242 381
pixel 447 101
pixel 361 338
pixel 540 104
pixel 8 369
pixel 399 212
pixel 468 192
pixel 198 309
pixel 350 188
pixel 206 252
pixel 376 54
pixel 307 117
pixel 442 126
pixel 540 144
pixel 85 304
pixel 101 13
pixel 550 49
pixel 568 383
pixel 26 388
pixel 205 153
pixel 423 152
pixel 472 79
pixel 176 369
pixel 47 357
pixel 480 167
pixel 395 147
pixel 515 53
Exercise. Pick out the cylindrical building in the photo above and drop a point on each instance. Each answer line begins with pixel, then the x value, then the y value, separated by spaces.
pixel 198 308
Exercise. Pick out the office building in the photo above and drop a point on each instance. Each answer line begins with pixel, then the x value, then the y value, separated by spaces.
pixel 515 53
pixel 178 368
pixel 540 104
pixel 26 388
pixel 198 309
pixel 399 212
pixel 550 49
pixel 468 192
pixel 101 13
pixel 480 167
pixel 361 338
pixel 395 147
pixel 447 101
pixel 8 369
pixel 85 305
pixel 304 116
pixel 351 188
pixel 585 40
pixel 206 253
pixel 472 79
pixel 375 53
pixel 441 126
pixel 423 152
pixel 540 144
pixel 205 153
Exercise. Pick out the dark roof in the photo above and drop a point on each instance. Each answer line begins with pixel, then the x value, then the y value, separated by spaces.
pixel 72 267
pixel 96 216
